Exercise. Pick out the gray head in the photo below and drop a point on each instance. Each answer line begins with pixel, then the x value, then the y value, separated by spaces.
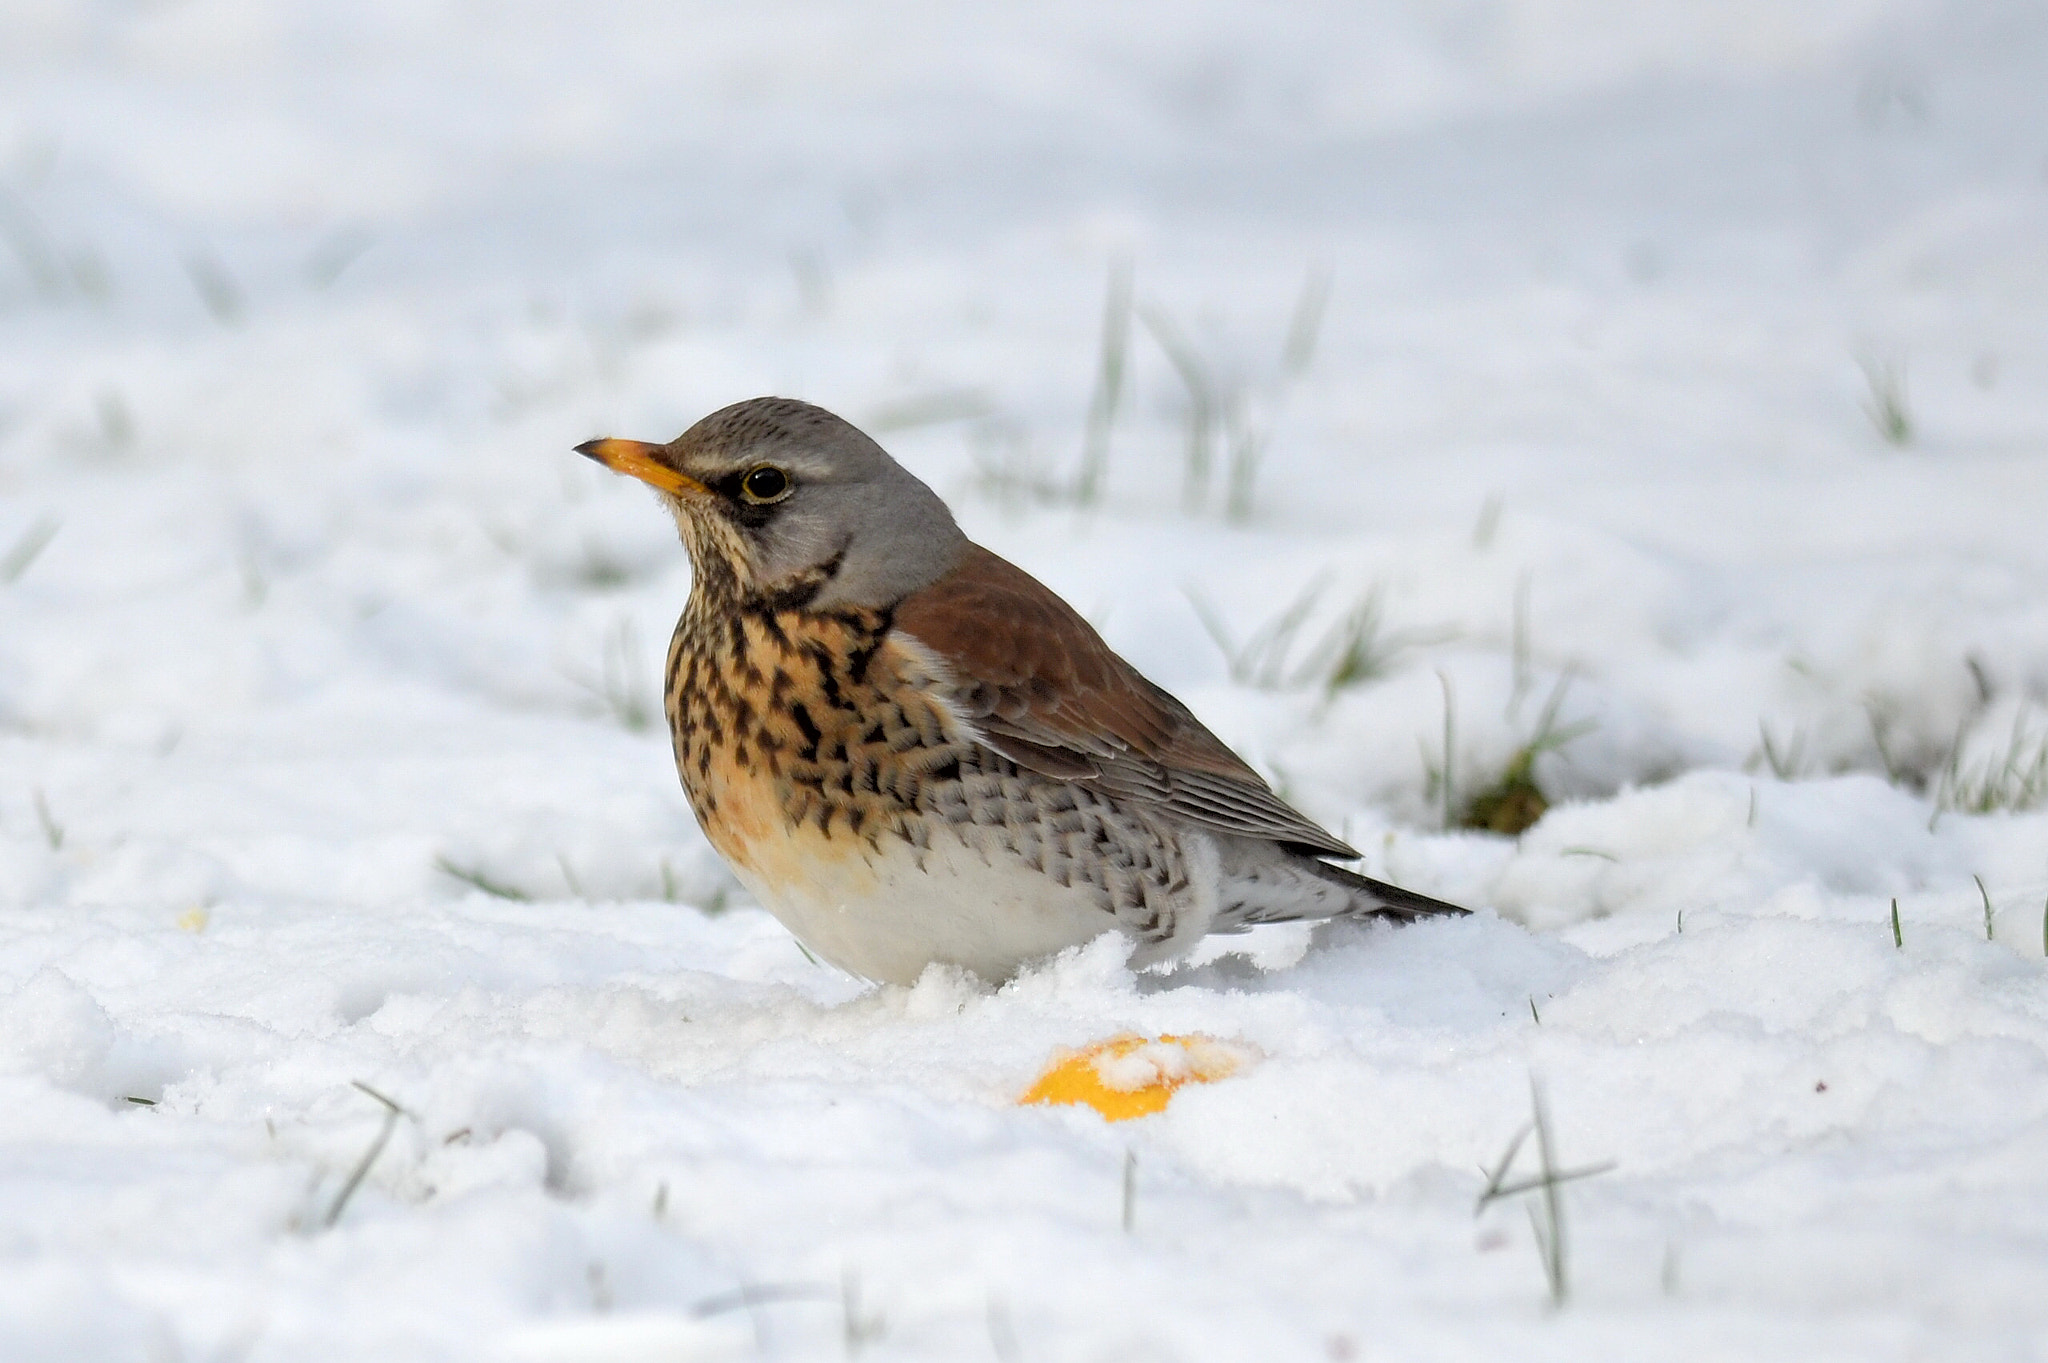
pixel 774 496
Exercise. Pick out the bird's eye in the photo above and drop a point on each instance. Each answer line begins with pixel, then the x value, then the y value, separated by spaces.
pixel 765 484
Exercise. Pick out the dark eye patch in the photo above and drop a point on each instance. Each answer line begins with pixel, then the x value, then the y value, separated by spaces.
pixel 740 507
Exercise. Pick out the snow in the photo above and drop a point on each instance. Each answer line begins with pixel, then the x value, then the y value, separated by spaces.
pixel 311 624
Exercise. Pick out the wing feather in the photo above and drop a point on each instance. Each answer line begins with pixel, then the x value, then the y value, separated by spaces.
pixel 1043 689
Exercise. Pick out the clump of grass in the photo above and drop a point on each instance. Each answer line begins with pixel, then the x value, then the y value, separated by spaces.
pixel 2015 778
pixel 1355 649
pixel 1906 753
pixel 1218 416
pixel 1248 440
pixel 476 878
pixel 1219 411
pixel 1514 802
pixel 1261 660
pixel 1887 404
pixel 1546 1214
pixel 1970 772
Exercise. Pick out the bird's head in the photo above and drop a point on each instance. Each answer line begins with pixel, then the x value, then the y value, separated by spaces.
pixel 777 498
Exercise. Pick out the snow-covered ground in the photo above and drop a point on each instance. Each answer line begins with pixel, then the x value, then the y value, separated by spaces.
pixel 312 628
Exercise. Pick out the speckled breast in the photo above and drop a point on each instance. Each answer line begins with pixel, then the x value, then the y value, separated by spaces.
pixel 804 736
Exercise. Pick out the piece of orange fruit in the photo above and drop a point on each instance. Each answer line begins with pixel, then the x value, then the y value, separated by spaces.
pixel 1135 1076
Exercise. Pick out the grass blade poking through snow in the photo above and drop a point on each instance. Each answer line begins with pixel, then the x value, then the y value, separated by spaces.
pixel 1261 661
pixel 1305 327
pixel 2013 779
pixel 859 1328
pixel 1546 1217
pixel 392 1112
pixel 469 875
pixel 1203 403
pixel 1248 438
pixel 1785 763
pixel 1450 750
pixel 1887 406
pixel 1988 934
pixel 1109 384
pixel 53 832
pixel 1550 1227
pixel 620 688
pixel 25 550
pixel 216 288
pixel 1355 649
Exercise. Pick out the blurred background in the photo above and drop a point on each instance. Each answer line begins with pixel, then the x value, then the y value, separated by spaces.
pixel 1416 387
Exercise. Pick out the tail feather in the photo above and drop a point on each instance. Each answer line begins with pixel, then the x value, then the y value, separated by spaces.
pixel 1376 899
pixel 1262 882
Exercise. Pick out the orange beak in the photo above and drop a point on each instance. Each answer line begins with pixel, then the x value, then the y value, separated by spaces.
pixel 641 460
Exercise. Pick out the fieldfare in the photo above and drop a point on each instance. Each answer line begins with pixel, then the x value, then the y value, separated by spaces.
pixel 911 751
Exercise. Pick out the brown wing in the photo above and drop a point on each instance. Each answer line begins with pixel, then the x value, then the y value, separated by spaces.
pixel 1047 693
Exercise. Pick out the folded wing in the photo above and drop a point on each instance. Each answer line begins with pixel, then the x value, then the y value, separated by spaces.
pixel 1045 691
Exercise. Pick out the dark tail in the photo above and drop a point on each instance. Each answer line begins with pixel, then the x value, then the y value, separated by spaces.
pixel 1376 899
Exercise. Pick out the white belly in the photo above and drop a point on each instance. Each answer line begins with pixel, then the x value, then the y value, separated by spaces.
pixel 885 917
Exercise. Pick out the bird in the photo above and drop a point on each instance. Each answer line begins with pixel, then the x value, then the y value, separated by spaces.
pixel 911 752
